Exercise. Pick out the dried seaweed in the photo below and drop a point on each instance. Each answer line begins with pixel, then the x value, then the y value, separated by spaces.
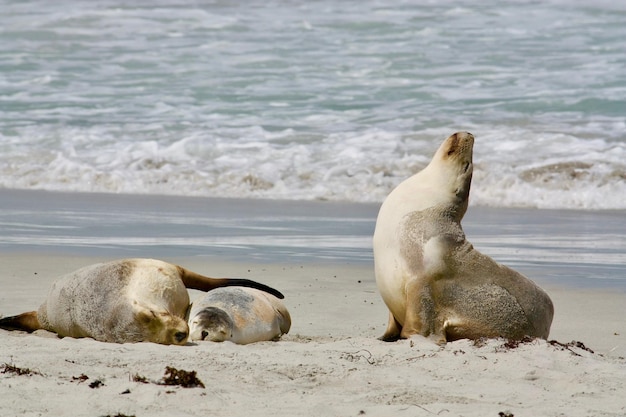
pixel 81 378
pixel 514 343
pixel 12 369
pixel 96 384
pixel 180 377
pixel 120 415
pixel 480 342
pixel 139 378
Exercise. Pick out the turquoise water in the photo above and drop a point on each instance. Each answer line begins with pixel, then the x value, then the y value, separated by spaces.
pixel 314 100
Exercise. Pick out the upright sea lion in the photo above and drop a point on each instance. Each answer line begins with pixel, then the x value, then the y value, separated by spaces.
pixel 432 280
pixel 130 300
pixel 238 314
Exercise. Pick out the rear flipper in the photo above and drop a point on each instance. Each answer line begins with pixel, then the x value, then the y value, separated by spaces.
pixel 26 321
pixel 202 283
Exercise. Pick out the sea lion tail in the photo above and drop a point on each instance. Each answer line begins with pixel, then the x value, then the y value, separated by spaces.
pixel 26 321
pixel 202 283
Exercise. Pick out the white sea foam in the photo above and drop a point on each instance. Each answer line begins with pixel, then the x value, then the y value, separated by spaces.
pixel 511 168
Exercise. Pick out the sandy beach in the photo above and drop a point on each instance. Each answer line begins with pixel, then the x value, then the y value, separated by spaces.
pixel 330 364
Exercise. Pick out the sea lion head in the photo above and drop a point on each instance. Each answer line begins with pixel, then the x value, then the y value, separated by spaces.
pixel 452 166
pixel 211 323
pixel 162 327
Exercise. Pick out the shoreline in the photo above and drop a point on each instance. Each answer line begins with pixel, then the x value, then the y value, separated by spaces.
pixel 581 249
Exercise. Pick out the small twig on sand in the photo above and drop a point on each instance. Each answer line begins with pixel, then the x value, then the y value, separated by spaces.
pixel 570 345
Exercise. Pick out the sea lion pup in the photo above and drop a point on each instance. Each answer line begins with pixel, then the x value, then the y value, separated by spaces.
pixel 433 281
pixel 238 314
pixel 130 300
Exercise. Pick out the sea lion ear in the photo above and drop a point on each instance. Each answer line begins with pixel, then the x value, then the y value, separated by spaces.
pixel 143 314
pixel 452 144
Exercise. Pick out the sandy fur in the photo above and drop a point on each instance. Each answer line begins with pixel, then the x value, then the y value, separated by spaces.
pixel 432 280
pixel 250 315
pixel 132 300
pixel 128 300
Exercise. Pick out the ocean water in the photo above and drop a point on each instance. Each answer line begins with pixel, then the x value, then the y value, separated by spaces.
pixel 324 100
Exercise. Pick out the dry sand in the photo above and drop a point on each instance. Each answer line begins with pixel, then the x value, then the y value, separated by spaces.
pixel 330 364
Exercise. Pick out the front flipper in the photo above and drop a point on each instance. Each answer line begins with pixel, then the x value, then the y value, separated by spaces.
pixel 393 330
pixel 420 310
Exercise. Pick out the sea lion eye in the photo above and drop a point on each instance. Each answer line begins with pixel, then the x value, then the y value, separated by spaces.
pixel 204 334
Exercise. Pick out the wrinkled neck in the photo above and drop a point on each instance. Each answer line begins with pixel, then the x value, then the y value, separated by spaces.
pixel 450 215
pixel 458 211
